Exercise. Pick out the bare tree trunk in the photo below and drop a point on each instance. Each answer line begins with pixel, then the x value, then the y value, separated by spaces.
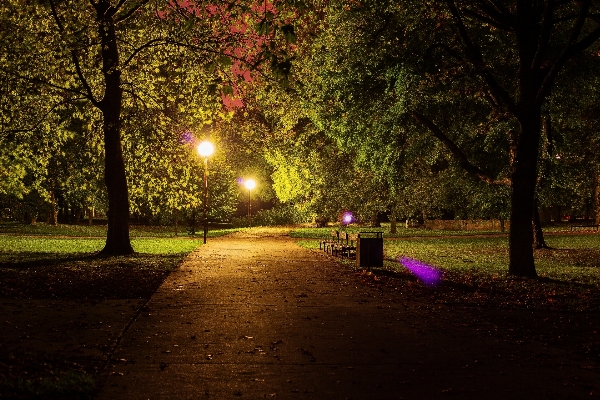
pixel 117 237
pixel 393 228
pixel 375 223
pixel 523 180
pixel 538 233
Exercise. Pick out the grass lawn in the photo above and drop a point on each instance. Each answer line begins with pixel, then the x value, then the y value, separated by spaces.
pixel 402 232
pixel 44 261
pixel 317 233
pixel 43 229
pixel 48 262
pixel 474 269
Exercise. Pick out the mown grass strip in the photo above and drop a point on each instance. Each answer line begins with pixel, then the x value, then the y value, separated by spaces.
pixel 320 233
pixel 475 272
pixel 98 231
pixel 15 244
pixel 403 232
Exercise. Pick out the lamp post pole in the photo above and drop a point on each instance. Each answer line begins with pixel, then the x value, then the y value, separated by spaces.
pixel 250 184
pixel 250 208
pixel 205 149
pixel 205 197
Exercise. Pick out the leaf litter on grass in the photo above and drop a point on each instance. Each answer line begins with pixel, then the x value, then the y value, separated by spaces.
pixel 475 272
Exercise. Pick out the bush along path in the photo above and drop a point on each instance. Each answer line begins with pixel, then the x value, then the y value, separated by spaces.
pixel 254 315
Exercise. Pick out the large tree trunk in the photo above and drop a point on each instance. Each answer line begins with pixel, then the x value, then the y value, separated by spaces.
pixel 538 232
pixel 523 180
pixel 117 237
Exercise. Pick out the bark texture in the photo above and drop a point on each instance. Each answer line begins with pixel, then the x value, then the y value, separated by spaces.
pixel 117 237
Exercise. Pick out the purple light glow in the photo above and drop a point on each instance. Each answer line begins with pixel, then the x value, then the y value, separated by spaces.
pixel 347 218
pixel 426 273
pixel 186 137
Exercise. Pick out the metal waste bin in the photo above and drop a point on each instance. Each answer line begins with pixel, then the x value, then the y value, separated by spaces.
pixel 369 250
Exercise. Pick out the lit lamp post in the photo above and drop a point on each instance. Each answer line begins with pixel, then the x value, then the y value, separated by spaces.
pixel 250 184
pixel 205 149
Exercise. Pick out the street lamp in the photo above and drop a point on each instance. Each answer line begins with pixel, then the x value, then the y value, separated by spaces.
pixel 250 184
pixel 205 149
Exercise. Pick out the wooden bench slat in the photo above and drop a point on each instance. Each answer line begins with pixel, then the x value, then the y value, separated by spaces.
pixel 350 245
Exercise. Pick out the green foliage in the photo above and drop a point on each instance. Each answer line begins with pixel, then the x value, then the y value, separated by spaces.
pixel 177 66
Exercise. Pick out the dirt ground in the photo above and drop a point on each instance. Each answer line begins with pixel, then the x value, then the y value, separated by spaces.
pixel 255 316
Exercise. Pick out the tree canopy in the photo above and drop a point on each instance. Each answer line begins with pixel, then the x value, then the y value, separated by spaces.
pixel 421 109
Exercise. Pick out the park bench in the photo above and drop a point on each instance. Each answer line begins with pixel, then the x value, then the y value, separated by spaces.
pixel 344 244
pixel 590 226
pixel 325 244
pixel 348 249
pixel 337 246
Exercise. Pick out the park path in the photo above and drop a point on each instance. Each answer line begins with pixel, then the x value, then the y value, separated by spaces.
pixel 254 316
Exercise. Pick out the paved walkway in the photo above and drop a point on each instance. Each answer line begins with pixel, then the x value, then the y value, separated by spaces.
pixel 259 317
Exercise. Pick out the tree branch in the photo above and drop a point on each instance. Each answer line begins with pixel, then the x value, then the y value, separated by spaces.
pixel 130 12
pixel 84 83
pixel 476 59
pixel 45 82
pixel 571 50
pixel 503 11
pixel 55 15
pixel 120 4
pixel 152 43
pixel 488 20
pixel 581 17
pixel 88 90
pixel 43 117
pixel 545 36
pixel 457 152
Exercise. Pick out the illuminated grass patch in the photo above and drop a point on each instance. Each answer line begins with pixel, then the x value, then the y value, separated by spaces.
pixel 474 271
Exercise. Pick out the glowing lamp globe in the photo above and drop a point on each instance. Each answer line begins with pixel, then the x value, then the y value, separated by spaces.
pixel 347 218
pixel 205 149
pixel 250 184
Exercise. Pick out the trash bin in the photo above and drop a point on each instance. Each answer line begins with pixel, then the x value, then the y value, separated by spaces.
pixel 369 250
